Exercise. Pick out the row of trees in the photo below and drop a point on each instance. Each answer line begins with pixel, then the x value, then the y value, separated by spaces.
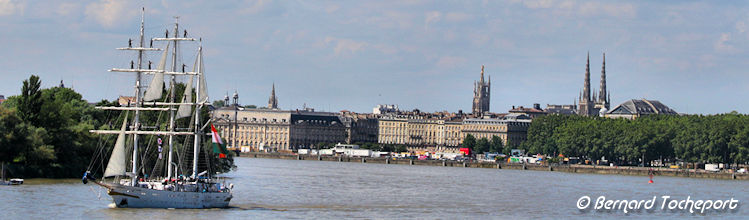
pixel 720 138
pixel 45 133
pixel 481 145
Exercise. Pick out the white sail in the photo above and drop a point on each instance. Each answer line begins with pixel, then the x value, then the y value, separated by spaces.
pixel 132 190
pixel 186 110
pixel 118 161
pixel 203 93
pixel 157 83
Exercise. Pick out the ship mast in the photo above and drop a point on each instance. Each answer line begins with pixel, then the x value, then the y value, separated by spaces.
pixel 196 142
pixel 171 169
pixel 136 120
pixel 139 71
pixel 171 97
pixel 140 105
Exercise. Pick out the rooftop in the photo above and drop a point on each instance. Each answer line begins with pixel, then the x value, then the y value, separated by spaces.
pixel 641 107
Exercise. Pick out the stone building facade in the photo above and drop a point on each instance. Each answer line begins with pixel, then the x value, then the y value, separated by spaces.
pixel 255 128
pixel 309 129
pixel 279 130
pixel 512 128
pixel 361 128
pixel 450 132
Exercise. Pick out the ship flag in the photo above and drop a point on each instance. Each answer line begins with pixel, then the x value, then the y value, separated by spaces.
pixel 218 145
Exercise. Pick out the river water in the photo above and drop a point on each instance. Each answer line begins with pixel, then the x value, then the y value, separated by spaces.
pixel 271 188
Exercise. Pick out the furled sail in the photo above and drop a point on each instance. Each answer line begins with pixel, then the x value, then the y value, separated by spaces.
pixel 186 110
pixel 157 83
pixel 118 161
pixel 203 93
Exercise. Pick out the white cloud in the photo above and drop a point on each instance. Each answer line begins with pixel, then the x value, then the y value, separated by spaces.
pixel 430 17
pixel 534 4
pixel 723 44
pixel 741 27
pixel 332 8
pixel 457 17
pixel 587 8
pixel 345 46
pixel 611 9
pixel 67 8
pixel 391 19
pixel 11 7
pixel 108 13
pixel 256 7
pixel 385 49
pixel 450 61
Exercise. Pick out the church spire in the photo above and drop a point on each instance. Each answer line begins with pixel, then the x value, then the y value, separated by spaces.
pixel 482 74
pixel 273 101
pixel 602 96
pixel 586 104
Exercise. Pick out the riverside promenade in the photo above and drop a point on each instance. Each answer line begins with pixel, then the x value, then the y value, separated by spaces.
pixel 634 171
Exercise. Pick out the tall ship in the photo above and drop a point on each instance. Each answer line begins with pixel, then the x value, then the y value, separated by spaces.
pixel 185 184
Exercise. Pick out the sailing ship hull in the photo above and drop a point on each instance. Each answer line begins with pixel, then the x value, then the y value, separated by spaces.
pixel 137 197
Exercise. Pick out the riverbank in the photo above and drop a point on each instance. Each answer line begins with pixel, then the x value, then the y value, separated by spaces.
pixel 632 171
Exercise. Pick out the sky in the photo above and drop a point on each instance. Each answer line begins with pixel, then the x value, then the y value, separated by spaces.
pixel 353 55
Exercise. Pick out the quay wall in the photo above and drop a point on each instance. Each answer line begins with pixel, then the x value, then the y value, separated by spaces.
pixel 634 171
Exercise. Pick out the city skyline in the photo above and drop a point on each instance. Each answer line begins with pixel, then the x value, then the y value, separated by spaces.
pixel 417 54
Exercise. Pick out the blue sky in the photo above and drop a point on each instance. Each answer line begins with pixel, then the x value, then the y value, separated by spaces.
pixel 335 55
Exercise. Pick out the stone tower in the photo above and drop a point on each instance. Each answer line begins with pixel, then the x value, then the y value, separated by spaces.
pixel 584 102
pixel 603 100
pixel 273 101
pixel 481 92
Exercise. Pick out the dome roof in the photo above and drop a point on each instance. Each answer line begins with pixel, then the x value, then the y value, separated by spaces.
pixel 642 107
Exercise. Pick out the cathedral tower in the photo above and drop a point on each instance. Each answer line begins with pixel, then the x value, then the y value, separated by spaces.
pixel 586 104
pixel 481 92
pixel 603 96
pixel 273 101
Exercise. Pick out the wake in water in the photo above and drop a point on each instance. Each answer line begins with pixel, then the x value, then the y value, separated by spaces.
pixel 254 207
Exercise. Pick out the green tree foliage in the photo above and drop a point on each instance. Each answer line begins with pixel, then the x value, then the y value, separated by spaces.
pixel 694 138
pixel 371 146
pixel 218 103
pixel 469 141
pixel 52 138
pixel 508 147
pixel 387 147
pixel 401 148
pixel 13 137
pixel 496 144
pixel 482 145
pixel 45 133
pixel 30 103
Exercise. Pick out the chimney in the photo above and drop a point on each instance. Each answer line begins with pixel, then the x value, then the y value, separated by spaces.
pixel 537 106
